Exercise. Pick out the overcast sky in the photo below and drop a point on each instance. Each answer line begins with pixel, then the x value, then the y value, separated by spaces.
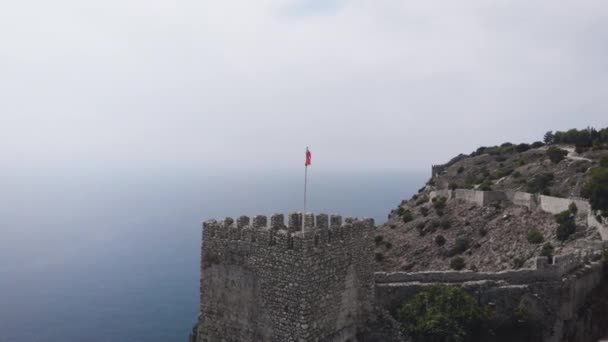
pixel 375 84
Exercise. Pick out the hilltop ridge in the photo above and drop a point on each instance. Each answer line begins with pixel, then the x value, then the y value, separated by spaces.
pixel 430 232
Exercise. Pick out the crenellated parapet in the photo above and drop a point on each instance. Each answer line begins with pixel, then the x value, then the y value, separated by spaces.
pixel 285 278
pixel 315 232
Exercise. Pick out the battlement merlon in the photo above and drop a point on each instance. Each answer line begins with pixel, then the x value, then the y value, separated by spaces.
pixel 317 230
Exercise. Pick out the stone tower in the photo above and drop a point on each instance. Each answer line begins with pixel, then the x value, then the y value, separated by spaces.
pixel 281 283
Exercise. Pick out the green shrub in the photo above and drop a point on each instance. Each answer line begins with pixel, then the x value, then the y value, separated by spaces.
pixel 566 227
pixel 440 240
pixel 604 162
pixel 500 159
pixel 388 245
pixel 516 174
pixel 460 245
pixel 522 148
pixel 596 190
pixel 453 186
pixel 547 250
pixel 537 144
pixel 439 202
pixel 441 313
pixel 460 169
pixel 548 138
pixel 573 208
pixel 556 154
pixel 486 186
pixel 539 183
pixel 379 257
pixel 424 211
pixel 535 237
pixel 457 263
pixel 378 239
pixel 407 216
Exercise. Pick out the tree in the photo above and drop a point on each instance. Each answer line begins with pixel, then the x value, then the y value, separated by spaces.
pixel 442 313
pixel 596 190
pixel 556 154
pixel 548 138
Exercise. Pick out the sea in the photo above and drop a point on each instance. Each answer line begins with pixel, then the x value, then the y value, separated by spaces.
pixel 113 256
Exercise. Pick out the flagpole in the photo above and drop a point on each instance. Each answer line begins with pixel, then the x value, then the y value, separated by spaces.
pixel 305 188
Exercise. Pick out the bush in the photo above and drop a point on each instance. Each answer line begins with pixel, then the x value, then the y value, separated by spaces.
pixel 535 237
pixel 516 174
pixel 439 202
pixel 483 232
pixel 573 208
pixel 424 211
pixel 460 169
pixel 378 239
pixel 486 186
pixel 379 257
pixel 407 216
pixel 566 227
pixel 453 186
pixel 460 245
pixel 540 183
pixel 596 190
pixel 556 154
pixel 457 263
pixel 440 240
pixel 522 148
pixel 547 250
pixel 537 144
pixel 441 313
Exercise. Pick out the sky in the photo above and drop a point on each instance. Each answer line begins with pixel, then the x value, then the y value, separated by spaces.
pixel 241 84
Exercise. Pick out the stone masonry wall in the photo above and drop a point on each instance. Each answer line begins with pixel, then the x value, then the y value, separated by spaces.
pixel 285 283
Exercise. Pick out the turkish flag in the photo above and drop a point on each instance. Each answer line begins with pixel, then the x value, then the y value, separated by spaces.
pixel 308 157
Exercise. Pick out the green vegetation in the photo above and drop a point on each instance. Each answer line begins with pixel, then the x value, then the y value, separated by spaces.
pixel 460 170
pixel 540 183
pixel 547 250
pixel 537 144
pixel 424 211
pixel 535 237
pixel 573 208
pixel 486 186
pixel 439 203
pixel 548 138
pixel 442 313
pixel 379 257
pixel 457 263
pixel 453 186
pixel 583 139
pixel 407 216
pixel 596 189
pixel 460 245
pixel 556 154
pixel 440 240
pixel 522 148
pixel 567 226
pixel 378 239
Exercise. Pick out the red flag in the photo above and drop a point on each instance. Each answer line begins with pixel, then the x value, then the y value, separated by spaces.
pixel 308 157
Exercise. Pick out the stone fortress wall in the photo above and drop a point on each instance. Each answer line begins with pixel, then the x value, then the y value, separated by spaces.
pixel 549 204
pixel 560 286
pixel 280 282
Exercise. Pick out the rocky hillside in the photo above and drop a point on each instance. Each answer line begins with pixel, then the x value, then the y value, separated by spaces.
pixel 424 234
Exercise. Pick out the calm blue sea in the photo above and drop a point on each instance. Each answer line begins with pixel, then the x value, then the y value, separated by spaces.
pixel 113 257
